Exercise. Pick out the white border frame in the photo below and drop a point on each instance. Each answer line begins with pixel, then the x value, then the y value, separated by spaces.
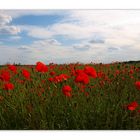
pixel 70 135
pixel 70 4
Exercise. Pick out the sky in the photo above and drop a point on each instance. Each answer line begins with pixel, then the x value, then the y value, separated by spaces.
pixel 69 36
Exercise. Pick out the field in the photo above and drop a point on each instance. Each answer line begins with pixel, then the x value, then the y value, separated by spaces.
pixel 70 97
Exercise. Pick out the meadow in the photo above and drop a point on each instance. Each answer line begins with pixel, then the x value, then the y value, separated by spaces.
pixel 70 96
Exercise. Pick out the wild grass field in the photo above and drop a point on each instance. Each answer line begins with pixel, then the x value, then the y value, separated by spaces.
pixel 70 97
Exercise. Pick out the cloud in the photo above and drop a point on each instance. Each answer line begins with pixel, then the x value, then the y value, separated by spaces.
pixel 12 30
pixel 4 19
pixel 5 28
pixel 113 48
pixel 47 42
pixel 102 36
pixel 47 51
pixel 93 41
pixel 114 27
pixel 73 31
pixel 9 55
pixel 69 30
pixel 43 50
pixel 36 31
pixel 81 47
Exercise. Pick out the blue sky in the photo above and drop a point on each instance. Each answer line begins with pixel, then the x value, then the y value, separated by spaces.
pixel 38 20
pixel 65 36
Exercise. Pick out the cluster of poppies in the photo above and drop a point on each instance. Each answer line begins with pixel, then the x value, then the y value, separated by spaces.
pixel 81 77
pixel 6 75
pixel 59 78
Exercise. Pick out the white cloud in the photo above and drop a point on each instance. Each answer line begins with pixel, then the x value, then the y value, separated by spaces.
pixel 37 32
pixel 11 30
pixel 68 30
pixel 4 19
pixel 74 31
pixel 81 47
pixel 116 27
pixel 47 51
pixel 47 42
pixel 9 55
pixel 5 28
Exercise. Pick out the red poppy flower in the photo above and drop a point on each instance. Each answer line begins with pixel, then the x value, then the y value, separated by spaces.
pixel 82 78
pixel 131 71
pixel 52 73
pixel 50 79
pixel 8 86
pixel 5 76
pixel 137 84
pixel 64 76
pixel 117 72
pixel 137 69
pixel 40 67
pixel 12 68
pixel 66 90
pixel 59 78
pixel 132 106
pixel 26 73
pixel 90 71
pixel 79 71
